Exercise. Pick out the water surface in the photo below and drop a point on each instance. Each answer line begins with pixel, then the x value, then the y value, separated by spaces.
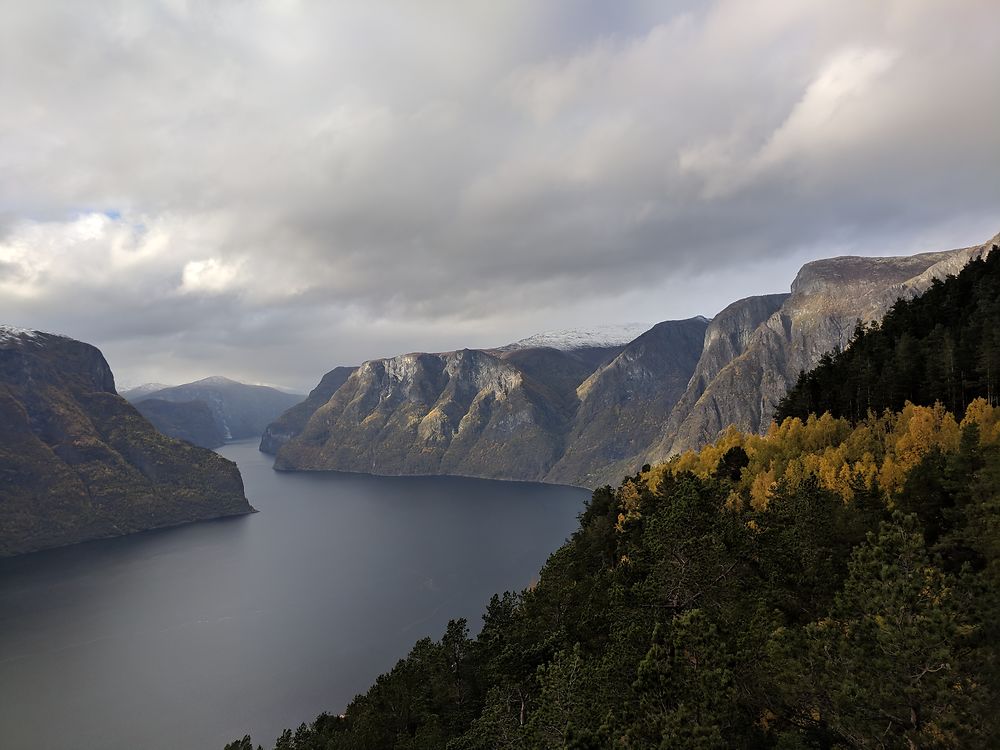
pixel 190 637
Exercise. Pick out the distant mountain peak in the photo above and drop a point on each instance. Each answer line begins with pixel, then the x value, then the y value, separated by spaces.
pixel 133 392
pixel 217 380
pixel 582 338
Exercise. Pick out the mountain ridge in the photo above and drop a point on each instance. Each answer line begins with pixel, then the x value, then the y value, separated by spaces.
pixel 682 392
pixel 240 410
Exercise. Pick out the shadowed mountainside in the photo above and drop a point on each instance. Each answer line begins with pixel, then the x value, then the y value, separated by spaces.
pixel 78 462
pixel 292 422
pixel 192 421
pixel 240 410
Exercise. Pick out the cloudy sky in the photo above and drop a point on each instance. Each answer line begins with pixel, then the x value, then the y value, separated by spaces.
pixel 268 189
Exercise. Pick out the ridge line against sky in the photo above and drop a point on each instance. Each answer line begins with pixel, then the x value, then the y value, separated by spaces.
pixel 270 189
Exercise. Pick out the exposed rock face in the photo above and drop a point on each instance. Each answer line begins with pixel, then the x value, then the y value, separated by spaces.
pixel 624 403
pixel 240 410
pixel 192 421
pixel 519 413
pixel 577 412
pixel 727 337
pixel 465 412
pixel 78 462
pixel 292 422
pixel 827 300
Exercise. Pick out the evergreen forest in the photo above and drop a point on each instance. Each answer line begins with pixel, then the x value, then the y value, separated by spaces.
pixel 833 583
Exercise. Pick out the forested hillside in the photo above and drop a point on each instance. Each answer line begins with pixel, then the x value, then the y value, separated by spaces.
pixel 831 584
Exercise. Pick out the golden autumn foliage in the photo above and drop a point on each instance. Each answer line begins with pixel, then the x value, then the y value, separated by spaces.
pixel 877 454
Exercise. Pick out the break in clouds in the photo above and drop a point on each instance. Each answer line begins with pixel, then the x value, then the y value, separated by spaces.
pixel 269 189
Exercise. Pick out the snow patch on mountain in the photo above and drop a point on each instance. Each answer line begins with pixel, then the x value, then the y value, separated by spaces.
pixel 582 338
pixel 135 392
pixel 13 334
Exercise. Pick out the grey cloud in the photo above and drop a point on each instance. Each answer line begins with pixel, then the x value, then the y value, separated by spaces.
pixel 301 185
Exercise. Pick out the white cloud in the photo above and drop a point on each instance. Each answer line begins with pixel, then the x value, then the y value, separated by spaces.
pixel 828 110
pixel 208 276
pixel 455 170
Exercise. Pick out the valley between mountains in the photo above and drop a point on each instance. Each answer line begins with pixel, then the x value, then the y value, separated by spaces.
pixel 582 408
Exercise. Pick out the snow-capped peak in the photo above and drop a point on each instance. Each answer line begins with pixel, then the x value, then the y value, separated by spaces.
pixel 583 338
pixel 13 333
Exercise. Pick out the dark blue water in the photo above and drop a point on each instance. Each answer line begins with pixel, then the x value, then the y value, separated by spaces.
pixel 190 637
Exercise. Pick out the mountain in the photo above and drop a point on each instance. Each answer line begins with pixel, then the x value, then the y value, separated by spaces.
pixel 292 422
pixel 622 405
pixel 835 576
pixel 728 335
pixel 465 412
pixel 589 407
pixel 192 421
pixel 942 347
pixel 529 413
pixel 78 462
pixel 827 299
pixel 240 410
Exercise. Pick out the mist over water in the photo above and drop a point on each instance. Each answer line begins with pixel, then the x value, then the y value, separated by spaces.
pixel 191 637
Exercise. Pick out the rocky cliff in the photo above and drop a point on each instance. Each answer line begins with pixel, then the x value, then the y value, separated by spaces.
pixel 290 423
pixel 828 298
pixel 78 462
pixel 240 410
pixel 466 412
pixel 585 409
pixel 535 413
pixel 623 404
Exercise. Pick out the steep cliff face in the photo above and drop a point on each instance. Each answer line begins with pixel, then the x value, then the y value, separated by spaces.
pixel 191 421
pixel 533 413
pixel 585 409
pixel 465 412
pixel 78 462
pixel 624 403
pixel 827 299
pixel 240 410
pixel 290 423
pixel 729 334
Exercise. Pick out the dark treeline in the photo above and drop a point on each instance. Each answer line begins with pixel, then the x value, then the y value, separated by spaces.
pixel 810 624
pixel 942 346
pixel 685 613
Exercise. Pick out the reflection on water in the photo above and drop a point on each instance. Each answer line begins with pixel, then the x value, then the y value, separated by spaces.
pixel 190 637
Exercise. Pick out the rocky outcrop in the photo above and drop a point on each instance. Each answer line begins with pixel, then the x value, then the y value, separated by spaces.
pixel 828 298
pixel 191 421
pixel 728 335
pixel 290 423
pixel 467 412
pixel 240 410
pixel 580 410
pixel 535 413
pixel 78 462
pixel 624 403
